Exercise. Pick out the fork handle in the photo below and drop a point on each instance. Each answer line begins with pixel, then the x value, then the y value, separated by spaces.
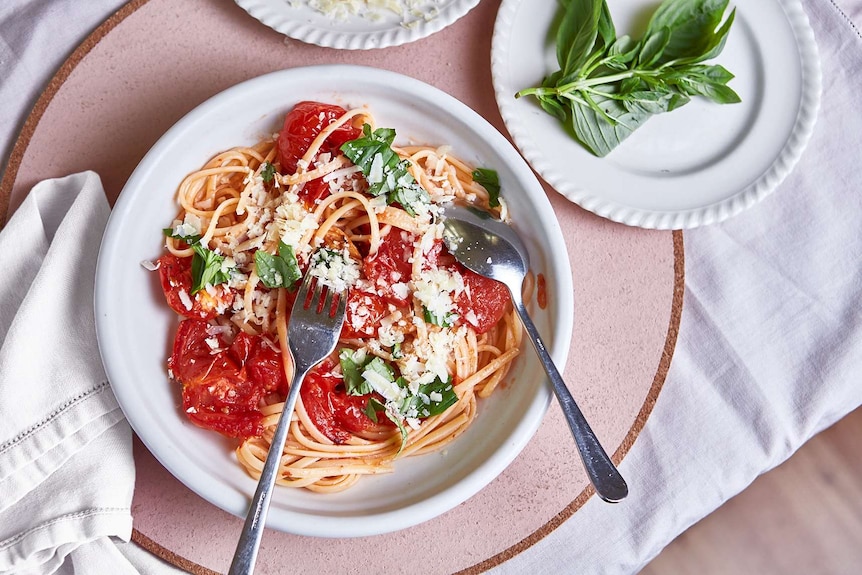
pixel 247 547
pixel 604 476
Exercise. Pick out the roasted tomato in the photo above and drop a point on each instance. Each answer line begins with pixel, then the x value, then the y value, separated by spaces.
pixel 390 268
pixel 176 278
pixel 363 315
pixel 483 302
pixel 262 361
pixel 335 413
pixel 223 386
pixel 301 126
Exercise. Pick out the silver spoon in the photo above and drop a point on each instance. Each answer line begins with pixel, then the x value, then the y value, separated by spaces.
pixel 492 249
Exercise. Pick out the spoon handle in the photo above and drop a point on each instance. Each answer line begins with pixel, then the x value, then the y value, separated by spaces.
pixel 608 482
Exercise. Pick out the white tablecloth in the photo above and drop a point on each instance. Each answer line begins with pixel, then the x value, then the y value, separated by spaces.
pixel 770 344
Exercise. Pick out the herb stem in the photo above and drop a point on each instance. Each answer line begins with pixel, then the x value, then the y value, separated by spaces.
pixel 584 84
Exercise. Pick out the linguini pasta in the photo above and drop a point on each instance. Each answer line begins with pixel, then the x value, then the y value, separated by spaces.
pixel 428 329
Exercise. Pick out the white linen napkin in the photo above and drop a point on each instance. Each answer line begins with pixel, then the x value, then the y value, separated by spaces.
pixel 66 467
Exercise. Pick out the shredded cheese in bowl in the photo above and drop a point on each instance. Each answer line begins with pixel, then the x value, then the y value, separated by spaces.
pixel 409 10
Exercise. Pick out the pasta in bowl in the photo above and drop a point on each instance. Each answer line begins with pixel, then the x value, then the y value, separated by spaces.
pixel 357 160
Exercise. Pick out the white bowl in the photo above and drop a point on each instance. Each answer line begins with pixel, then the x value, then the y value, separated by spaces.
pixel 135 327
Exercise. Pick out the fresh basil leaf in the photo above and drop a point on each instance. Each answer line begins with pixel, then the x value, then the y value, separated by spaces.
pixel 207 268
pixel 678 100
pixel 632 85
pixel 648 101
pixel 577 34
pixel 552 105
pixel 396 351
pixel 692 25
pixel 708 81
pixel 717 92
pixel 488 179
pixel 606 31
pixel 351 372
pixel 268 172
pixel 653 47
pixel 714 73
pixel 624 49
pixel 380 366
pixel 716 44
pixel 372 407
pixel 280 270
pixel 444 390
pixel 552 80
pixel 603 130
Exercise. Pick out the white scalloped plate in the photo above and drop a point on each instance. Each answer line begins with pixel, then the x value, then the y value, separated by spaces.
pixel 698 165
pixel 379 29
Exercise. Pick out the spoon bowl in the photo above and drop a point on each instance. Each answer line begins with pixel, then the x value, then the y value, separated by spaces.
pixel 491 248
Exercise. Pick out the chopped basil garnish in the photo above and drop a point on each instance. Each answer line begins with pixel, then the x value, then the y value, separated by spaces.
pixel 446 399
pixel 386 173
pixel 373 407
pixel 358 369
pixel 191 239
pixel 488 179
pixel 430 399
pixel 268 172
pixel 275 271
pixel 352 365
pixel 399 423
pixel 207 268
pixel 446 321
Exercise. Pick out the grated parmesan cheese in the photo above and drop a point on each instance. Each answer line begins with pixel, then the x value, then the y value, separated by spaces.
pixel 185 299
pixel 292 221
pixel 335 269
pixel 388 389
pixel 437 289
pixel 190 226
pixel 410 12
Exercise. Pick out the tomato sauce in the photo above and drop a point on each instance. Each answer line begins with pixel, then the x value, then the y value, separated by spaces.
pixel 541 291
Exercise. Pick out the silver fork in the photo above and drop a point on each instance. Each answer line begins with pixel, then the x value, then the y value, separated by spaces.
pixel 312 334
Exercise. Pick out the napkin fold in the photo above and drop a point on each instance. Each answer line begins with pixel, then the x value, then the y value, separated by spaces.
pixel 66 467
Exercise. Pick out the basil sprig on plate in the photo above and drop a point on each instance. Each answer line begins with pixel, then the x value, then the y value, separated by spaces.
pixel 607 87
